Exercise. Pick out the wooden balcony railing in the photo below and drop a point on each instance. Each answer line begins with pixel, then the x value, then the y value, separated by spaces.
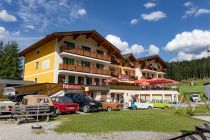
pixel 85 53
pixel 83 69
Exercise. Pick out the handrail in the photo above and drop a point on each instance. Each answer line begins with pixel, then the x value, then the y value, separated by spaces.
pixel 50 91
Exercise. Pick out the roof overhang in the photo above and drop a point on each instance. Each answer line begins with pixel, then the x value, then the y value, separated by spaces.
pixel 59 35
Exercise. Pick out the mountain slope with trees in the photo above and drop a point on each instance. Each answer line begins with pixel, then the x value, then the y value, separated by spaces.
pixel 184 70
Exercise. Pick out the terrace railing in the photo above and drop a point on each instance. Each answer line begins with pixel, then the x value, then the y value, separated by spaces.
pixel 80 68
pixel 64 48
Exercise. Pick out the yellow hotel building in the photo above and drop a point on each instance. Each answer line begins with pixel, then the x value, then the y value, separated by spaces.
pixel 87 58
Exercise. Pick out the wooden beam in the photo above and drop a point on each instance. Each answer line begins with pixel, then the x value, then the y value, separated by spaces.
pixel 75 36
pixel 89 35
pixel 60 38
pixel 100 43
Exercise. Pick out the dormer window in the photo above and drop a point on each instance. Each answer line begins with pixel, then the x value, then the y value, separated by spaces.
pixel 70 45
pixel 37 52
pixel 99 52
pixel 84 48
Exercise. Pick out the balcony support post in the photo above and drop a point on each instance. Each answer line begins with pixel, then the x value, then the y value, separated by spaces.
pixel 76 79
pixel 66 79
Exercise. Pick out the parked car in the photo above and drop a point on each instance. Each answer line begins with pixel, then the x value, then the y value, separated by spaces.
pixel 64 105
pixel 110 104
pixel 178 104
pixel 86 103
pixel 6 107
pixel 32 103
pixel 195 97
pixel 140 104
pixel 161 104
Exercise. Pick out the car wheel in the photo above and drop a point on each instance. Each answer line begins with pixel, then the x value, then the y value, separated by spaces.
pixel 57 111
pixel 86 108
pixel 109 109
pixel 149 107
pixel 166 107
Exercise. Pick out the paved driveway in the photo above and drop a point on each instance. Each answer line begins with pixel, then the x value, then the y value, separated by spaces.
pixel 12 131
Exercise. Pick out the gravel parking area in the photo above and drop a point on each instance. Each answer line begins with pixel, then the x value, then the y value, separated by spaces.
pixel 12 131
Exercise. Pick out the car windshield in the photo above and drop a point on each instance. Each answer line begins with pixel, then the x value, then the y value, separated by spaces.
pixel 65 100
pixel 195 95
pixel 87 97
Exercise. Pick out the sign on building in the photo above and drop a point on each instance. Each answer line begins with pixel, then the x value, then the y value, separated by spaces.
pixel 9 91
pixel 46 64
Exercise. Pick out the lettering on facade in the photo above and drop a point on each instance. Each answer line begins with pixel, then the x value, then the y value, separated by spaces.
pixel 67 86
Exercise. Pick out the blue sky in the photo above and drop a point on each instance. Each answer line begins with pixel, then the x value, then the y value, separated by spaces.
pixel 175 29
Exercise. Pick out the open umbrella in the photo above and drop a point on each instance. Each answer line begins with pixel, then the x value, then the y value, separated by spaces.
pixel 142 82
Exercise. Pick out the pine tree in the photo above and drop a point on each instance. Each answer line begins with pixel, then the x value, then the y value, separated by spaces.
pixel 10 63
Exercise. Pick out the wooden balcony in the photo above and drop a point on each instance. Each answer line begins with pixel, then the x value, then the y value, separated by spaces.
pixel 83 69
pixel 85 53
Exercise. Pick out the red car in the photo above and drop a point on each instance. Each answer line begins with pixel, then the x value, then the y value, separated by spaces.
pixel 64 105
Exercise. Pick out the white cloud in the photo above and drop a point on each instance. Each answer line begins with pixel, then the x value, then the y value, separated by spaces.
pixel 44 13
pixel 3 33
pixel 193 44
pixel 137 49
pixel 23 41
pixel 123 46
pixel 4 16
pixel 149 5
pixel 9 1
pixel 82 12
pixel 31 27
pixel 17 33
pixel 154 16
pixel 134 22
pixel 188 4
pixel 194 10
pixel 189 56
pixel 202 11
pixel 153 50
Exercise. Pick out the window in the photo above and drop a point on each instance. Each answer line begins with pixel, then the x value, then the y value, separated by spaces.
pixel 103 82
pixel 85 64
pixel 70 45
pixel 81 80
pixel 100 66
pixel 126 72
pixel 69 61
pixel 24 101
pixel 97 81
pixel 35 80
pixel 71 79
pixel 99 52
pixel 37 52
pixel 84 48
pixel 61 78
pixel 89 81
pixel 37 65
pixel 112 69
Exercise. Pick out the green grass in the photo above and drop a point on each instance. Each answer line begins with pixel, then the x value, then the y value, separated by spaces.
pixel 191 89
pixel 141 120
pixel 201 109
pixel 197 82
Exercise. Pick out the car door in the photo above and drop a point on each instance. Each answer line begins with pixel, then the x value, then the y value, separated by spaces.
pixel 138 104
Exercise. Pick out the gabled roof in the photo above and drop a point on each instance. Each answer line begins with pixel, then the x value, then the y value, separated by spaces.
pixel 157 57
pixel 89 33
pixel 129 55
